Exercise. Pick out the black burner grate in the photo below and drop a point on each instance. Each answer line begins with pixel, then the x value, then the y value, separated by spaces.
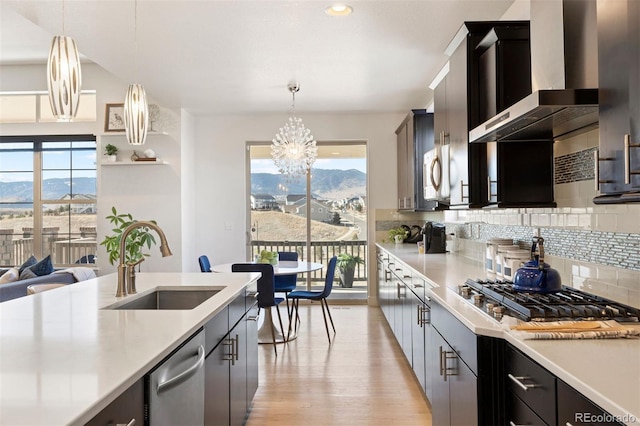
pixel 569 303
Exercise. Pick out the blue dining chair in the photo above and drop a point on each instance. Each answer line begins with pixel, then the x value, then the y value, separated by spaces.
pixel 205 265
pixel 266 293
pixel 287 283
pixel 295 296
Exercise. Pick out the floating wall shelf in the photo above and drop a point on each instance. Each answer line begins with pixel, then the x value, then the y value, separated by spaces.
pixel 134 163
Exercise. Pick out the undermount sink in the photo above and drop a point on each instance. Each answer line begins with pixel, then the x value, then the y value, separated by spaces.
pixel 167 300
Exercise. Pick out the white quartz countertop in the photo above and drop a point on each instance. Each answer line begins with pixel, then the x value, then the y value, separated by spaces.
pixel 63 358
pixel 607 371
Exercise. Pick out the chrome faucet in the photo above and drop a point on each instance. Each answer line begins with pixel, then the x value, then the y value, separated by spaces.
pixel 123 266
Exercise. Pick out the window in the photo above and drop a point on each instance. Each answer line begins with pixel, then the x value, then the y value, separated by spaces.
pixel 34 107
pixel 336 219
pixel 47 198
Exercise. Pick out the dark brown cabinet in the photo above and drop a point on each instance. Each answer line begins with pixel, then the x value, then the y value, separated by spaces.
pixel 454 365
pixel 231 367
pixel 619 97
pixel 414 137
pixel 127 408
pixel 481 81
pixel 534 396
pixel 574 409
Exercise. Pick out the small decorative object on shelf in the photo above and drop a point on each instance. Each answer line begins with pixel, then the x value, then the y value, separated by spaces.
pixel 154 116
pixel 111 152
pixel 134 156
pixel 148 155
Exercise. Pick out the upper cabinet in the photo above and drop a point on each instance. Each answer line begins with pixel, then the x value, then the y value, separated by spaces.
pixel 414 139
pixel 489 70
pixel 618 177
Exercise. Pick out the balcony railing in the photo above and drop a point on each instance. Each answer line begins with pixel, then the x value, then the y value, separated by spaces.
pixel 321 252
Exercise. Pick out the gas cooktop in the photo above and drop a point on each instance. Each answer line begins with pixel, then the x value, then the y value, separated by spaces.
pixel 498 298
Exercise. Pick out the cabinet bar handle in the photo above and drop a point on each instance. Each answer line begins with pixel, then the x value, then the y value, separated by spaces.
pixel 462 196
pixel 568 424
pixel 596 169
pixel 252 318
pixel 131 423
pixel 441 363
pixel 489 193
pixel 627 159
pixel 511 423
pixel 229 356
pixel 449 371
pixel 523 386
pixel 237 340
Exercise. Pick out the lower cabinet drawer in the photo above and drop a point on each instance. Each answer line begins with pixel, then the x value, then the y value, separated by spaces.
pixel 533 384
pixel 575 409
pixel 518 413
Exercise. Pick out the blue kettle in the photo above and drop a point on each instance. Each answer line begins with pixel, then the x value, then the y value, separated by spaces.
pixel 536 276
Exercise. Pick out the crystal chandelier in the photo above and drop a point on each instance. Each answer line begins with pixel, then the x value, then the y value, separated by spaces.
pixel 293 149
pixel 64 77
pixel 136 108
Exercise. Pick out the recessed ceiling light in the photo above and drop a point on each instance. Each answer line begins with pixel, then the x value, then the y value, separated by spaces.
pixel 339 10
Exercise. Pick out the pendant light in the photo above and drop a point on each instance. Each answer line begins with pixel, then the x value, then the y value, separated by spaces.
pixel 294 149
pixel 64 77
pixel 136 108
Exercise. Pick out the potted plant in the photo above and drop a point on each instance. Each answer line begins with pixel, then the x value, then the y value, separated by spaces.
pixel 347 265
pixel 398 235
pixel 136 240
pixel 110 151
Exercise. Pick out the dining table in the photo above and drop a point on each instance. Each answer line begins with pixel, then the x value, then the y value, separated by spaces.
pixel 283 267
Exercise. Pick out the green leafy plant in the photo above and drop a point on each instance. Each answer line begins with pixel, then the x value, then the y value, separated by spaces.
pixel 136 240
pixel 268 257
pixel 398 231
pixel 348 261
pixel 110 149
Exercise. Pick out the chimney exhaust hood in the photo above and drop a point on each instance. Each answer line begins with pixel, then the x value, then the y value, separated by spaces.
pixel 564 77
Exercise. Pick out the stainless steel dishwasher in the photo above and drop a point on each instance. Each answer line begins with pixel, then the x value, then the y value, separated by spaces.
pixel 175 388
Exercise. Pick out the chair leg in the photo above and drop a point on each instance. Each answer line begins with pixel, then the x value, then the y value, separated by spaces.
pixel 280 321
pixel 324 317
pixel 329 312
pixel 273 336
pixel 291 316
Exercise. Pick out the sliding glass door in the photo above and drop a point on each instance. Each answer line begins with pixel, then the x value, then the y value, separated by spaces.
pixel 321 215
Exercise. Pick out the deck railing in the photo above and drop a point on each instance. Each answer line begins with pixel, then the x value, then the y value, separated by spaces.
pixel 321 252
pixel 63 252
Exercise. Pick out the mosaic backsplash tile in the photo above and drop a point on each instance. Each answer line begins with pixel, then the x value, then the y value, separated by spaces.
pixel 574 167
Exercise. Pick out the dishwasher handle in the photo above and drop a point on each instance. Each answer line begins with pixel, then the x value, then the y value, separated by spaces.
pixel 186 374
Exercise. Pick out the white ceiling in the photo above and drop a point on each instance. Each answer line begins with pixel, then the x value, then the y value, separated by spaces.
pixel 212 56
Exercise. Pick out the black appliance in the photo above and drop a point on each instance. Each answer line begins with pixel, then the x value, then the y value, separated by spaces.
pixel 434 237
pixel 499 298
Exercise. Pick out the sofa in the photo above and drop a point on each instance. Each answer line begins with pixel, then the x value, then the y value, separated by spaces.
pixel 18 288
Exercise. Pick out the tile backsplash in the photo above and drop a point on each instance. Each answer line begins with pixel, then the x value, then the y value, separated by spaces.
pixel 594 247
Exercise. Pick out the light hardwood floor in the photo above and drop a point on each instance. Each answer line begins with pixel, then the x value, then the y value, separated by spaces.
pixel 362 378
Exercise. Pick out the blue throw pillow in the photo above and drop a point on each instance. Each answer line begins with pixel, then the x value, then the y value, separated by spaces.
pixel 27 274
pixel 29 262
pixel 44 267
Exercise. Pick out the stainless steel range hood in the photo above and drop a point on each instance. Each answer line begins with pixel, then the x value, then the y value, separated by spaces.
pixel 564 77
pixel 543 115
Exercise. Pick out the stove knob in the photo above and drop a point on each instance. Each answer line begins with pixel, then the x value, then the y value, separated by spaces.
pixel 465 292
pixel 498 311
pixel 478 299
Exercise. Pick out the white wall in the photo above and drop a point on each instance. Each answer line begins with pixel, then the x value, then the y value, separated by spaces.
pixel 220 171
pixel 147 192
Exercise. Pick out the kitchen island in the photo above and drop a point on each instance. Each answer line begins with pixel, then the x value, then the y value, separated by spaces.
pixel 63 358
pixel 606 371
